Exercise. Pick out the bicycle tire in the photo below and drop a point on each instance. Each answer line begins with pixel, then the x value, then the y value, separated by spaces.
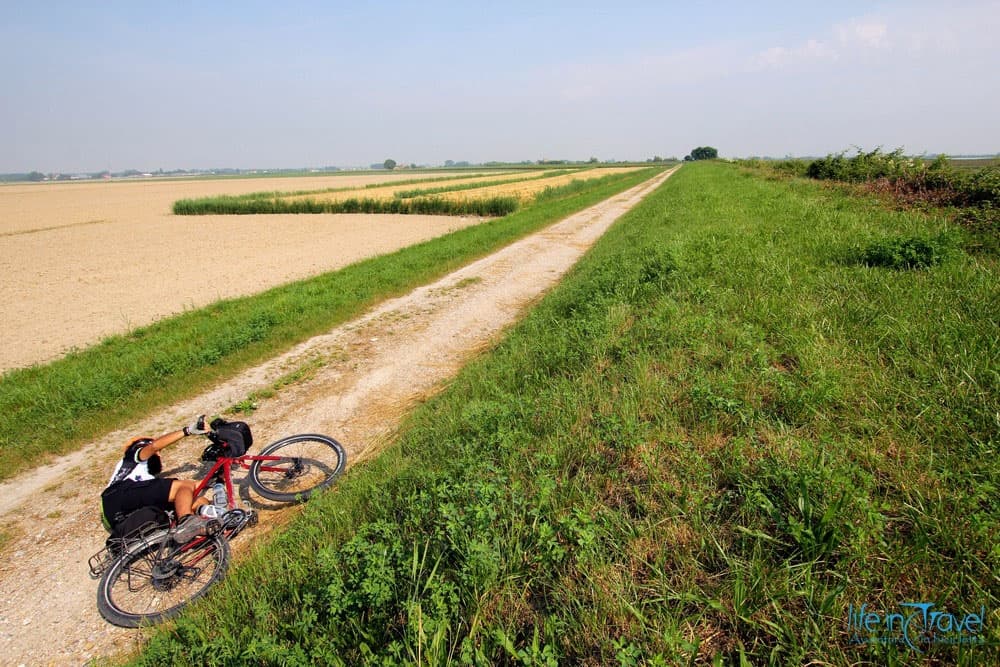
pixel 308 462
pixel 154 579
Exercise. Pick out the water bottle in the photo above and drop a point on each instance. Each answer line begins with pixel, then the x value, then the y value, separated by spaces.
pixel 219 498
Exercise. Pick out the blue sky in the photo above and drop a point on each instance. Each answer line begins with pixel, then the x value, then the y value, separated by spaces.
pixel 185 85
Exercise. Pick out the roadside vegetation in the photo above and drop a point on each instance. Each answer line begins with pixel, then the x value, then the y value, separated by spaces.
pixel 50 409
pixel 724 430
pixel 968 190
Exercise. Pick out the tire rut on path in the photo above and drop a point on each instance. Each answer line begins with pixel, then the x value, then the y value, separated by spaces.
pixel 361 380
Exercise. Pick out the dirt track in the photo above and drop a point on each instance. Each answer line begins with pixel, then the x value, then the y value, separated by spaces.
pixel 369 374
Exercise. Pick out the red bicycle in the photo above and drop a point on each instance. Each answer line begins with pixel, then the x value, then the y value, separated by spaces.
pixel 146 577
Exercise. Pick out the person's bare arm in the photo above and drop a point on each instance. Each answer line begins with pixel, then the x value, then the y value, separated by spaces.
pixel 199 427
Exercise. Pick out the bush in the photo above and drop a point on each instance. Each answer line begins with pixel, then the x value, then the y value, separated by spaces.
pixel 911 180
pixel 982 187
pixel 862 167
pixel 907 252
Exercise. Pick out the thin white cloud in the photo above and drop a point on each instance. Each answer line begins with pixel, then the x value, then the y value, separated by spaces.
pixel 779 56
pixel 576 82
pixel 842 41
pixel 925 31
pixel 864 33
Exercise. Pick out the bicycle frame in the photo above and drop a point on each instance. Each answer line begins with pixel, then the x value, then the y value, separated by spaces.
pixel 225 465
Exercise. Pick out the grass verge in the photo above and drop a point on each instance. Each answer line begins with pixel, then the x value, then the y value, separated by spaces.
pixel 47 410
pixel 715 441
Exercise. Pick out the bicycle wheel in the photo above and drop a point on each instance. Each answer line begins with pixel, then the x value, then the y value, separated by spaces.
pixel 155 578
pixel 305 463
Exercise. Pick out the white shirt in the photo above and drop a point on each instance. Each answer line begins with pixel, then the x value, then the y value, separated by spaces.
pixel 131 467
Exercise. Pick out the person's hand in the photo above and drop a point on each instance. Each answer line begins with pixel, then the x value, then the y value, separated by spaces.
pixel 197 428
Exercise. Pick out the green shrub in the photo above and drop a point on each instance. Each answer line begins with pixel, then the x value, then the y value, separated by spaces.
pixel 982 187
pixel 909 252
pixel 911 179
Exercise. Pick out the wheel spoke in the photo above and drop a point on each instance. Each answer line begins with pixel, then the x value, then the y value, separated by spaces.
pixel 292 468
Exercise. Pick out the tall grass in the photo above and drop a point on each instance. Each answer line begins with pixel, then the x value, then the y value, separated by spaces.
pixel 224 205
pixel 719 434
pixel 49 409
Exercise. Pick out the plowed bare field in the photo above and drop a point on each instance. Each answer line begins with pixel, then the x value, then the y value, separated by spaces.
pixel 81 261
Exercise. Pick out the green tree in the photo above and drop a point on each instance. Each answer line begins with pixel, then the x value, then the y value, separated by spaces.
pixel 704 153
pixel 389 164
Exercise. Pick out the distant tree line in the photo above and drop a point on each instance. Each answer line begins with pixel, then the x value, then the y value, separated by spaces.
pixel 29 176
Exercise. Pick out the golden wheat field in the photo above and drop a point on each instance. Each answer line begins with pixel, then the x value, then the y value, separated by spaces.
pixel 81 261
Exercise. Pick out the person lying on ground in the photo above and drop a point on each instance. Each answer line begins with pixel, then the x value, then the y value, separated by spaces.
pixel 135 483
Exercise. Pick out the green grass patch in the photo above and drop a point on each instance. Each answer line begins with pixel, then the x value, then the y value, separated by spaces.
pixel 712 441
pixel 250 404
pixel 47 410
pixel 224 205
pixel 969 195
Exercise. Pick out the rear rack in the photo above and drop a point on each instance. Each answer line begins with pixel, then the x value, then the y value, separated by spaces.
pixel 114 547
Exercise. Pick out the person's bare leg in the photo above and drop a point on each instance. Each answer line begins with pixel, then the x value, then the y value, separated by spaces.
pixel 182 496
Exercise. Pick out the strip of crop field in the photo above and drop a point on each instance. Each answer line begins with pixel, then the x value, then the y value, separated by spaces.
pixel 722 432
pixel 50 409
pixel 409 194
pixel 486 197
pixel 195 206
pixel 489 207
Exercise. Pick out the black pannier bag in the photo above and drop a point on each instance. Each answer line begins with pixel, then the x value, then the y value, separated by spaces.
pixel 137 523
pixel 228 439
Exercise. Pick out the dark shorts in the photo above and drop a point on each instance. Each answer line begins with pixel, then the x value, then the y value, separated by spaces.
pixel 125 497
